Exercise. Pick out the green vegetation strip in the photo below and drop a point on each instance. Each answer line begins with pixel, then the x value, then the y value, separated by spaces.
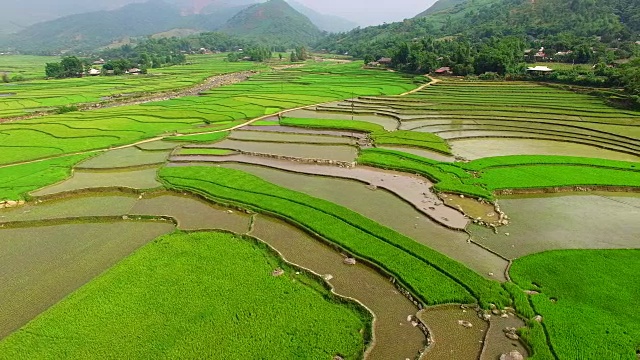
pixel 378 133
pixel 481 178
pixel 433 277
pixel 588 300
pixel 200 295
pixel 19 180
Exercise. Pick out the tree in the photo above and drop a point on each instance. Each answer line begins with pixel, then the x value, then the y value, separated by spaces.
pixel 293 57
pixel 54 70
pixel 71 67
pixel 369 58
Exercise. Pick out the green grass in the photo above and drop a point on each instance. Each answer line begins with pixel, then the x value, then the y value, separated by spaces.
pixel 200 295
pixel 353 125
pixel 589 300
pixel 433 277
pixel 213 152
pixel 481 178
pixel 18 180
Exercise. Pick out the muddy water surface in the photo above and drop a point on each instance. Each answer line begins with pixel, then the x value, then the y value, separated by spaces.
pixel 307 151
pixel 387 209
pixel 413 189
pixel 82 206
pixel 473 149
pixel 564 221
pixel 289 137
pixel 300 130
pixel 451 340
pixel 395 337
pixel 388 123
pixel 122 158
pixel 40 266
pixel 497 343
pixel 133 179
pixel 421 152
pixel 193 214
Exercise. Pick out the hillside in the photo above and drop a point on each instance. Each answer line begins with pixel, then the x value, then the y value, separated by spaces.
pixel 275 22
pixel 328 23
pixel 439 6
pixel 480 19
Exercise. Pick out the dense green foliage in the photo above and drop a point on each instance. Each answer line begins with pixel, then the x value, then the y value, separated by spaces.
pixel 201 295
pixel 433 277
pixel 69 67
pixel 274 22
pixel 19 180
pixel 588 300
pixel 481 178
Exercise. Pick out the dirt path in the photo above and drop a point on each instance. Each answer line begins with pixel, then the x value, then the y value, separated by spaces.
pixel 116 101
pixel 422 87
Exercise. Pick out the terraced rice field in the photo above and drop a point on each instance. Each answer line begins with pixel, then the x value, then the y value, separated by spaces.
pixel 401 203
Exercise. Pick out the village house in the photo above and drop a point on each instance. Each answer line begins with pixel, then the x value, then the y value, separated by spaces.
pixel 444 71
pixel 385 61
pixel 99 62
pixel 134 71
pixel 94 72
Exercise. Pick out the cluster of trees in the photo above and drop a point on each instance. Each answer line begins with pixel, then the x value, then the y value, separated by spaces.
pixel 495 55
pixel 258 54
pixel 69 67
pixel 299 54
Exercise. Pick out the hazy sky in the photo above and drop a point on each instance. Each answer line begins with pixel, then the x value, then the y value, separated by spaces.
pixel 370 12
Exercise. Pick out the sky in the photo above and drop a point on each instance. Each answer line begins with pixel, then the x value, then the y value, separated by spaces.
pixel 19 13
pixel 370 12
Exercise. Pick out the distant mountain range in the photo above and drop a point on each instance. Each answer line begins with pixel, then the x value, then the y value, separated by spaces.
pixel 287 24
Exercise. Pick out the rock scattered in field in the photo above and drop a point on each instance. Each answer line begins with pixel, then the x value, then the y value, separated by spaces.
pixel 513 355
pixel 465 324
pixel 538 318
pixel 349 261
pixel 510 333
pixel 328 277
pixel 277 272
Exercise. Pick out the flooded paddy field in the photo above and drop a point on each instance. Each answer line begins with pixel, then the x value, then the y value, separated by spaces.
pixel 277 137
pixel 192 213
pixel 473 149
pixel 389 123
pixel 132 179
pixel 308 151
pixel 395 336
pixel 456 333
pixel 124 158
pixel 421 152
pixel 158 145
pixel 300 130
pixel 413 189
pixel 564 221
pixel 497 343
pixel 389 210
pixel 39 266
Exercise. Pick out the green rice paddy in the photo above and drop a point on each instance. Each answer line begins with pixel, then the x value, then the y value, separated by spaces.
pixel 200 295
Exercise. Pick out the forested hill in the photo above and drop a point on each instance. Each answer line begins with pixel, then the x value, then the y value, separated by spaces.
pixel 274 22
pixel 439 6
pixel 480 19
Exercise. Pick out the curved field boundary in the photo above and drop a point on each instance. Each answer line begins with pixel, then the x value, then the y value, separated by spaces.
pixel 357 234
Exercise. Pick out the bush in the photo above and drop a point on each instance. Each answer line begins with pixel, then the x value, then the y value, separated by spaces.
pixel 5 78
pixel 66 109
